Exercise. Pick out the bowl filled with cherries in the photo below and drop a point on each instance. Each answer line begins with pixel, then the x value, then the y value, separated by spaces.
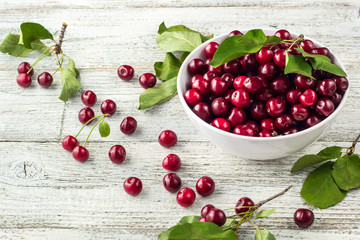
pixel 262 94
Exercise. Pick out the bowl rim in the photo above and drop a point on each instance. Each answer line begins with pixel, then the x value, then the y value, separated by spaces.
pixel 187 109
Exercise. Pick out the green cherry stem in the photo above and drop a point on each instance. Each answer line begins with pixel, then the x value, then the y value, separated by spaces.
pixel 101 119
pixel 257 229
pixel 41 57
pixel 102 115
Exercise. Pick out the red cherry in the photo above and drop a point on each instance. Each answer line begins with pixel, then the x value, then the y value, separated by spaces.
pixel 186 197
pixel 69 143
pixel 171 162
pixel 117 154
pixel 133 186
pixel 308 98
pixel 205 186
pixel 80 153
pixel 222 124
pixel 167 138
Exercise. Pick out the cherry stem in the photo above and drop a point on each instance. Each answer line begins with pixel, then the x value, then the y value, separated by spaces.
pixel 61 39
pixel 257 229
pixel 41 57
pixel 273 197
pixel 351 149
pixel 102 115
pixel 101 119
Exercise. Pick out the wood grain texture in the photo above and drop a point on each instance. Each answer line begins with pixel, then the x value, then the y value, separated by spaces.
pixel 45 194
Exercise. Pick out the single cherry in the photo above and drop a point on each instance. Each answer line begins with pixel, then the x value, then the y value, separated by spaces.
pixel 128 125
pixel 236 117
pixel 216 216
pixel 243 205
pixel 326 88
pixel 222 124
pixel 324 107
pixel 220 107
pixel 283 122
pixel 264 55
pixel 125 72
pixel 69 143
pixel 244 130
pixel 239 82
pixel 133 186
pixel 108 107
pixel 167 138
pixel 205 186
pixel 80 153
pixel 265 133
pixel 240 98
pixel 302 82
pixel 341 83
pixel 171 162
pixel 307 45
pixel 192 97
pixel 313 120
pixel 85 115
pixel 283 34
pixel 293 96
pixel 275 107
pixel 258 111
pixel 172 182
pixel 24 80
pixel 206 209
pixel 252 85
pixel 45 79
pixel 117 154
pixel 210 49
pixel 234 33
pixel 197 66
pixel 218 86
pixel 88 98
pixel 202 86
pixel 233 67
pixel 210 75
pixel 299 112
pixel 24 67
pixel 303 217
pixel 268 124
pixel 267 70
pixel 202 110
pixel 186 197
pixel 308 98
pixel 279 58
pixel 280 85
pixel 147 80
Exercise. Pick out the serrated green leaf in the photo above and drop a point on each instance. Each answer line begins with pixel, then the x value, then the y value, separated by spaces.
pixel 104 129
pixel 70 84
pixel 265 213
pixel 320 189
pixel 323 62
pixel 306 161
pixel 178 41
pixel 297 64
pixel 346 172
pixel 31 32
pixel 167 69
pixel 159 94
pixel 264 235
pixel 163 28
pixel 10 45
pixel 330 152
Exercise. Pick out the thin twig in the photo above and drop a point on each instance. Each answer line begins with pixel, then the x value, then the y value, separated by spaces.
pixel 273 197
pixel 61 39
pixel 352 148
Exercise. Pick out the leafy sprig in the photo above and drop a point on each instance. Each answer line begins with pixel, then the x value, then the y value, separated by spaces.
pixel 189 227
pixel 29 40
pixel 329 183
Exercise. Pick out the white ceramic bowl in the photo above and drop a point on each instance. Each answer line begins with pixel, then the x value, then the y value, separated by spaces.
pixel 253 147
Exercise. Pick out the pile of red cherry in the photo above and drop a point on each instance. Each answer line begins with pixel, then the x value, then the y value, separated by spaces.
pixel 45 79
pixel 252 96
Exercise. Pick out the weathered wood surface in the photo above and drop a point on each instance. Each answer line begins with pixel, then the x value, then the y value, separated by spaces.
pixel 45 194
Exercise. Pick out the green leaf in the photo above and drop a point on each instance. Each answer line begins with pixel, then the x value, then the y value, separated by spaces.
pixel 265 213
pixel 297 64
pixel 330 152
pixel 240 45
pixel 163 28
pixel 167 69
pixel 31 32
pixel 159 94
pixel 264 235
pixel 10 45
pixel 306 161
pixel 346 172
pixel 189 219
pixel 183 57
pixel 104 129
pixel 200 231
pixel 178 41
pixel 320 189
pixel 323 62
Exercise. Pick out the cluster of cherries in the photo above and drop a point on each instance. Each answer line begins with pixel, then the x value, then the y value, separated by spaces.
pixel 25 71
pixel 252 96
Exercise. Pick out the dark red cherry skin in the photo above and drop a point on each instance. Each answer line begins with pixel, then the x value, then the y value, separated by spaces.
pixel 235 32
pixel 313 120
pixel 293 96
pixel 291 130
pixel 197 66
pixel 324 107
pixel 202 110
pixel 240 98
pixel 258 111
pixel 205 186
pixel 250 62
pixel 167 138
pixel 233 67
pixel 206 209
pixel 24 67
pixel 222 124
pixel 303 217
pixel 342 83
pixel 202 86
pixel 268 70
pixel 265 133
pixel 264 81
pixel 265 94
pixel 133 186
pixel 69 143
pixel 128 125
pixel 264 55
pixel 117 154
pixel 280 85
pixel 253 125
pixel 299 112
pixel 327 88
pixel 125 72
pixel 80 154
pixel 237 116
pixel 275 107
pixel 279 58
pixel 194 78
pixel 45 79
pixel 85 115
pixel 172 182
pixel 217 70
pixel 147 80
pixel 303 82
pixel 283 122
pixel 228 95
pixel 239 82
pixel 229 78
pixel 171 162
pixel 283 34
pixel 202 219
pixel 108 107
pixel 216 216
pixel 308 98
pixel 210 49
pixel 24 80
pixel 210 75
pixel 220 107
pixel 192 97
pixel 307 45
pixel 336 98
pixel 186 197
pixel 243 204
pixel 268 124
pixel 252 85
pixel 88 98
pixel 244 130
pixel 218 86
pixel 322 51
